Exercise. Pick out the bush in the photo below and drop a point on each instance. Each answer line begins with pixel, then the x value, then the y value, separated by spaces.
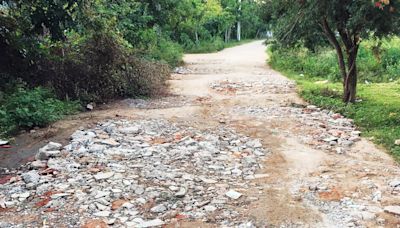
pixel 24 109
pixel 167 51
pixel 97 68
pixel 206 46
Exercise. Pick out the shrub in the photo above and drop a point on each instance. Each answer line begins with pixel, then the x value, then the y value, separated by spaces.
pixel 98 68
pixel 24 109
pixel 167 51
pixel 206 46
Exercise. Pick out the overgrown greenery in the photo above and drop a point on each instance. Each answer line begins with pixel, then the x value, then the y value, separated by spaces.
pixel 95 51
pixel 376 113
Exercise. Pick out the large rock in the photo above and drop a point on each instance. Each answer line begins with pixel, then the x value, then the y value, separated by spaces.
pixel 52 149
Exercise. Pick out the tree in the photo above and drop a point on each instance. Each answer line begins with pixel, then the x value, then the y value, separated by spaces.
pixel 344 23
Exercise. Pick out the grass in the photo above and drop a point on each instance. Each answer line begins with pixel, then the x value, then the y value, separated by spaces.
pixel 377 114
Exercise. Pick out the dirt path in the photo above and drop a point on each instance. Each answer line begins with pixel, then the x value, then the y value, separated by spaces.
pixel 318 172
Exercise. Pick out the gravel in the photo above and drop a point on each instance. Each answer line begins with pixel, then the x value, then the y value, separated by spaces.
pixel 140 174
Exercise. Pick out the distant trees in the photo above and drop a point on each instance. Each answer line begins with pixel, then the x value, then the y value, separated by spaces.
pixel 342 23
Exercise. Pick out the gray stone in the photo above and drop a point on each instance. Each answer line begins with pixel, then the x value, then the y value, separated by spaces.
pixel 130 130
pixel 181 193
pixel 31 177
pixel 38 164
pixel 41 155
pixel 53 153
pixel 158 209
pixel 52 146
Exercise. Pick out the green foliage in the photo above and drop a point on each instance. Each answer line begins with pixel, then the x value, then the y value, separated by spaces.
pixel 168 51
pixel 24 109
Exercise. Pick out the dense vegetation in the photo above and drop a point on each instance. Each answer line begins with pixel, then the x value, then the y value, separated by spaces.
pixel 95 51
pixel 377 109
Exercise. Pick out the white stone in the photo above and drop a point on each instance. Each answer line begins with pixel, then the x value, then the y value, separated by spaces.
pixel 151 223
pixel 392 209
pixel 209 181
pixel 102 214
pixel 59 195
pixel 394 183
pixel 233 194
pixel 377 196
pixel 103 176
pixel 210 208
pixel 332 138
pixel 24 195
pixel 101 194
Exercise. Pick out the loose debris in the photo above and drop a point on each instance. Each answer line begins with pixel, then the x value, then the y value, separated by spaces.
pixel 253 87
pixel 139 174
pixel 329 131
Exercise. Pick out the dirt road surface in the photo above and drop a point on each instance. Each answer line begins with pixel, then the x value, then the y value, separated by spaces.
pixel 317 173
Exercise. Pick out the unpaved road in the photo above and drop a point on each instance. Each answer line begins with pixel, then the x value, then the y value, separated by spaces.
pixel 309 182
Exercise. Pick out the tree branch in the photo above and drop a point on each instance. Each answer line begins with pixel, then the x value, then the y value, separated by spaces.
pixel 335 43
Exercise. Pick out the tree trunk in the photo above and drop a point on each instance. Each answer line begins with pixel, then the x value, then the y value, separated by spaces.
pixel 226 36
pixel 350 84
pixel 229 33
pixel 238 32
pixel 239 26
pixel 197 36
pixel 349 74
pixel 258 32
